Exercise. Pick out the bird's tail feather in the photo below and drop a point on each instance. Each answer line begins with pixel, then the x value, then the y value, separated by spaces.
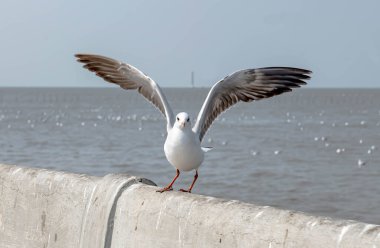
pixel 206 149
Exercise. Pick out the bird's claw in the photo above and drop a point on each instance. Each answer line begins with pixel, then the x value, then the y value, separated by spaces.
pixel 185 190
pixel 164 189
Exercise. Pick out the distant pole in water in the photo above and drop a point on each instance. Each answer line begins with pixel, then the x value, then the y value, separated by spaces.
pixel 192 79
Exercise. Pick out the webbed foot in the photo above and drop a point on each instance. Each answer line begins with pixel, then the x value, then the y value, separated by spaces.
pixel 164 189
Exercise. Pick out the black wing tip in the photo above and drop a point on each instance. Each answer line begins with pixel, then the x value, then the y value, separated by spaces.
pixel 82 58
pixel 89 56
pixel 294 75
pixel 82 55
pixel 289 69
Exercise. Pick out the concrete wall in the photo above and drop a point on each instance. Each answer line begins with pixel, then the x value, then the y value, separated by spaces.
pixel 41 208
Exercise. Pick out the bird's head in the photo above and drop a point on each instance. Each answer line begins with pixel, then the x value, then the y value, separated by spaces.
pixel 182 121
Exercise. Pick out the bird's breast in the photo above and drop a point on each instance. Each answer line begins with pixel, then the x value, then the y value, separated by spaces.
pixel 183 150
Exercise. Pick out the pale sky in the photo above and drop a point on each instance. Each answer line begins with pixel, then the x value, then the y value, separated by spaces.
pixel 338 40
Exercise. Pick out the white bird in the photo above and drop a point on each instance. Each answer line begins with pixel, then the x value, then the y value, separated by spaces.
pixel 183 143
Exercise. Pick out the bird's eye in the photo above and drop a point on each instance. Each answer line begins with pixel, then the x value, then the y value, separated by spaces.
pixel 188 119
pixel 177 118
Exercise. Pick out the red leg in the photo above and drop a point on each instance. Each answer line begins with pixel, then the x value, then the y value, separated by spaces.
pixel 169 187
pixel 192 185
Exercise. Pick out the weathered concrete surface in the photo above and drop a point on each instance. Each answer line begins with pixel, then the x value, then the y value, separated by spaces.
pixel 40 208
pixel 177 219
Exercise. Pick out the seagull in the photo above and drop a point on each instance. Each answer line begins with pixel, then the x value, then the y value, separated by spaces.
pixel 182 146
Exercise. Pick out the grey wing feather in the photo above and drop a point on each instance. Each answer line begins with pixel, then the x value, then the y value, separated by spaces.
pixel 128 77
pixel 247 85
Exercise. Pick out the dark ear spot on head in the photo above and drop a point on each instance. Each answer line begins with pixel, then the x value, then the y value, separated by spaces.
pixel 177 118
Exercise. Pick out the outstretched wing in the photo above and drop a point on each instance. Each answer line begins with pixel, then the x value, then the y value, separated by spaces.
pixel 247 85
pixel 128 77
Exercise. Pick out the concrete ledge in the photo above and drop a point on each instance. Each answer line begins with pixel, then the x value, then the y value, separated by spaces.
pixel 41 208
